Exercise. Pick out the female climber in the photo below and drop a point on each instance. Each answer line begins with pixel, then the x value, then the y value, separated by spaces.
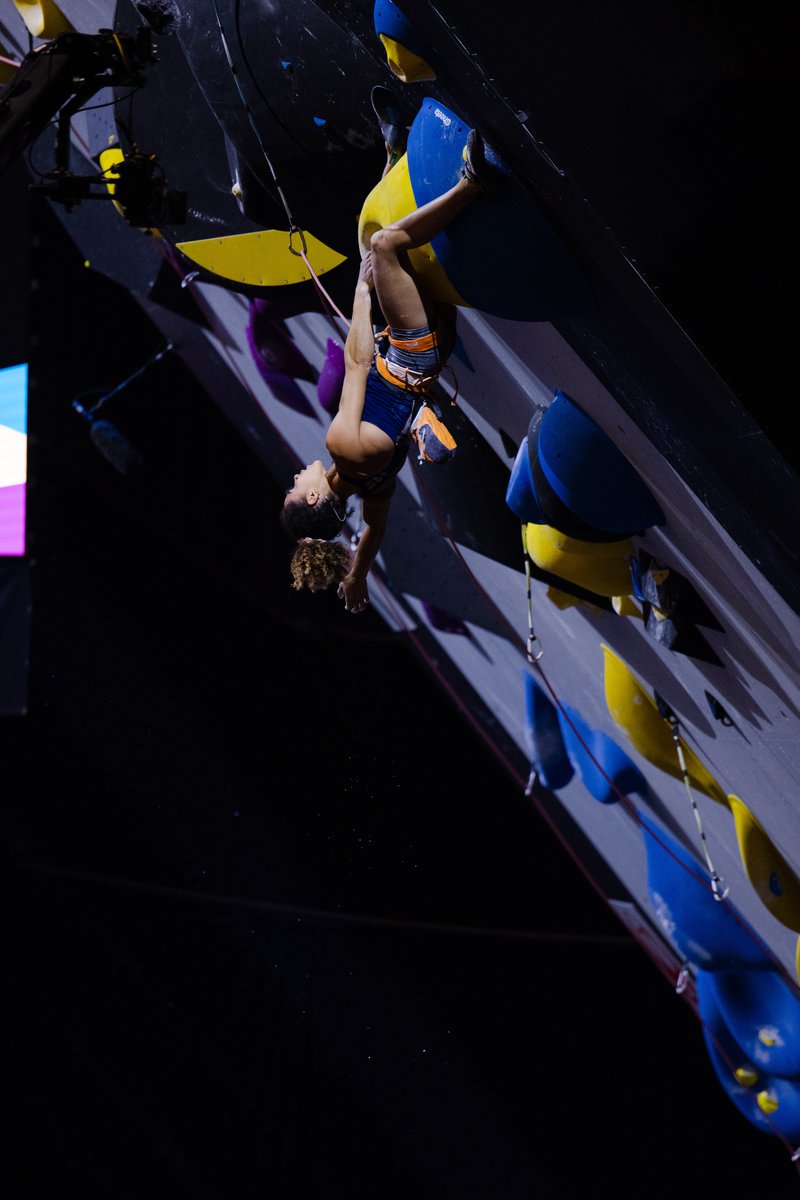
pixel 368 438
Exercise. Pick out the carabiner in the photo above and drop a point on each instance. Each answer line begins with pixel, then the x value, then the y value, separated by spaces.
pixel 534 657
pixel 292 231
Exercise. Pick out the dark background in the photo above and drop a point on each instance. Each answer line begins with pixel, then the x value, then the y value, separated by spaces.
pixel 278 923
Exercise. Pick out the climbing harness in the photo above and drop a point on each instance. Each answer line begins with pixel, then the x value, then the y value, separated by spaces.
pixel 406 377
pixel 402 376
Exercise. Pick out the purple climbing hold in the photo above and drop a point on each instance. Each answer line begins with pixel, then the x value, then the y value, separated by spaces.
pixel 443 621
pixel 331 377
pixel 272 347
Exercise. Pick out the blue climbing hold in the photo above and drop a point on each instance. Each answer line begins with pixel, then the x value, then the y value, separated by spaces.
pixel 743 1080
pixel 521 493
pixel 603 767
pixel 709 933
pixel 501 254
pixel 762 1012
pixel 394 27
pixel 548 754
pixel 588 474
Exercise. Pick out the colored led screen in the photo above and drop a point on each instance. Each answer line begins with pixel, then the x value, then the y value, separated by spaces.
pixel 13 458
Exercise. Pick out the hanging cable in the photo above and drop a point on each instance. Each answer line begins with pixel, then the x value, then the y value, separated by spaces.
pixel 154 358
pixel 294 228
pixel 252 122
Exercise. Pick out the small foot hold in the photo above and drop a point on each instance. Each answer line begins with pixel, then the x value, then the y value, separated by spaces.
pixel 390 119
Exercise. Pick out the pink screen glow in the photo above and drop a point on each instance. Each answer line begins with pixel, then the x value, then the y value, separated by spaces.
pixel 13 458
pixel 12 519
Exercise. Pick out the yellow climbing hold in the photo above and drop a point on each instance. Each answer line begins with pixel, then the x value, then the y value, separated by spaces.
pixel 393 198
pixel 43 18
pixel 773 880
pixel 624 606
pixel 746 1076
pixel 261 259
pixel 767 1101
pixel 636 712
pixel 564 600
pixel 108 160
pixel 600 567
pixel 404 63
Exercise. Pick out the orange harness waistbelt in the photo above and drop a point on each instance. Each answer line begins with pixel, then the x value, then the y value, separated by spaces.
pixel 407 377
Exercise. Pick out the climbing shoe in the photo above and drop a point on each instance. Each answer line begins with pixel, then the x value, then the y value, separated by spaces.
pixel 390 120
pixel 475 168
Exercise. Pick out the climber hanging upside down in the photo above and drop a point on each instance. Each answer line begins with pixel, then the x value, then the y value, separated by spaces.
pixel 368 438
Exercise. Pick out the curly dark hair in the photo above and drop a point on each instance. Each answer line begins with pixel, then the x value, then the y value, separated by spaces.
pixel 316 564
pixel 321 520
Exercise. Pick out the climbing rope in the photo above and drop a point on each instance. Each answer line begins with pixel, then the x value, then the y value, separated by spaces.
pixel 303 253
